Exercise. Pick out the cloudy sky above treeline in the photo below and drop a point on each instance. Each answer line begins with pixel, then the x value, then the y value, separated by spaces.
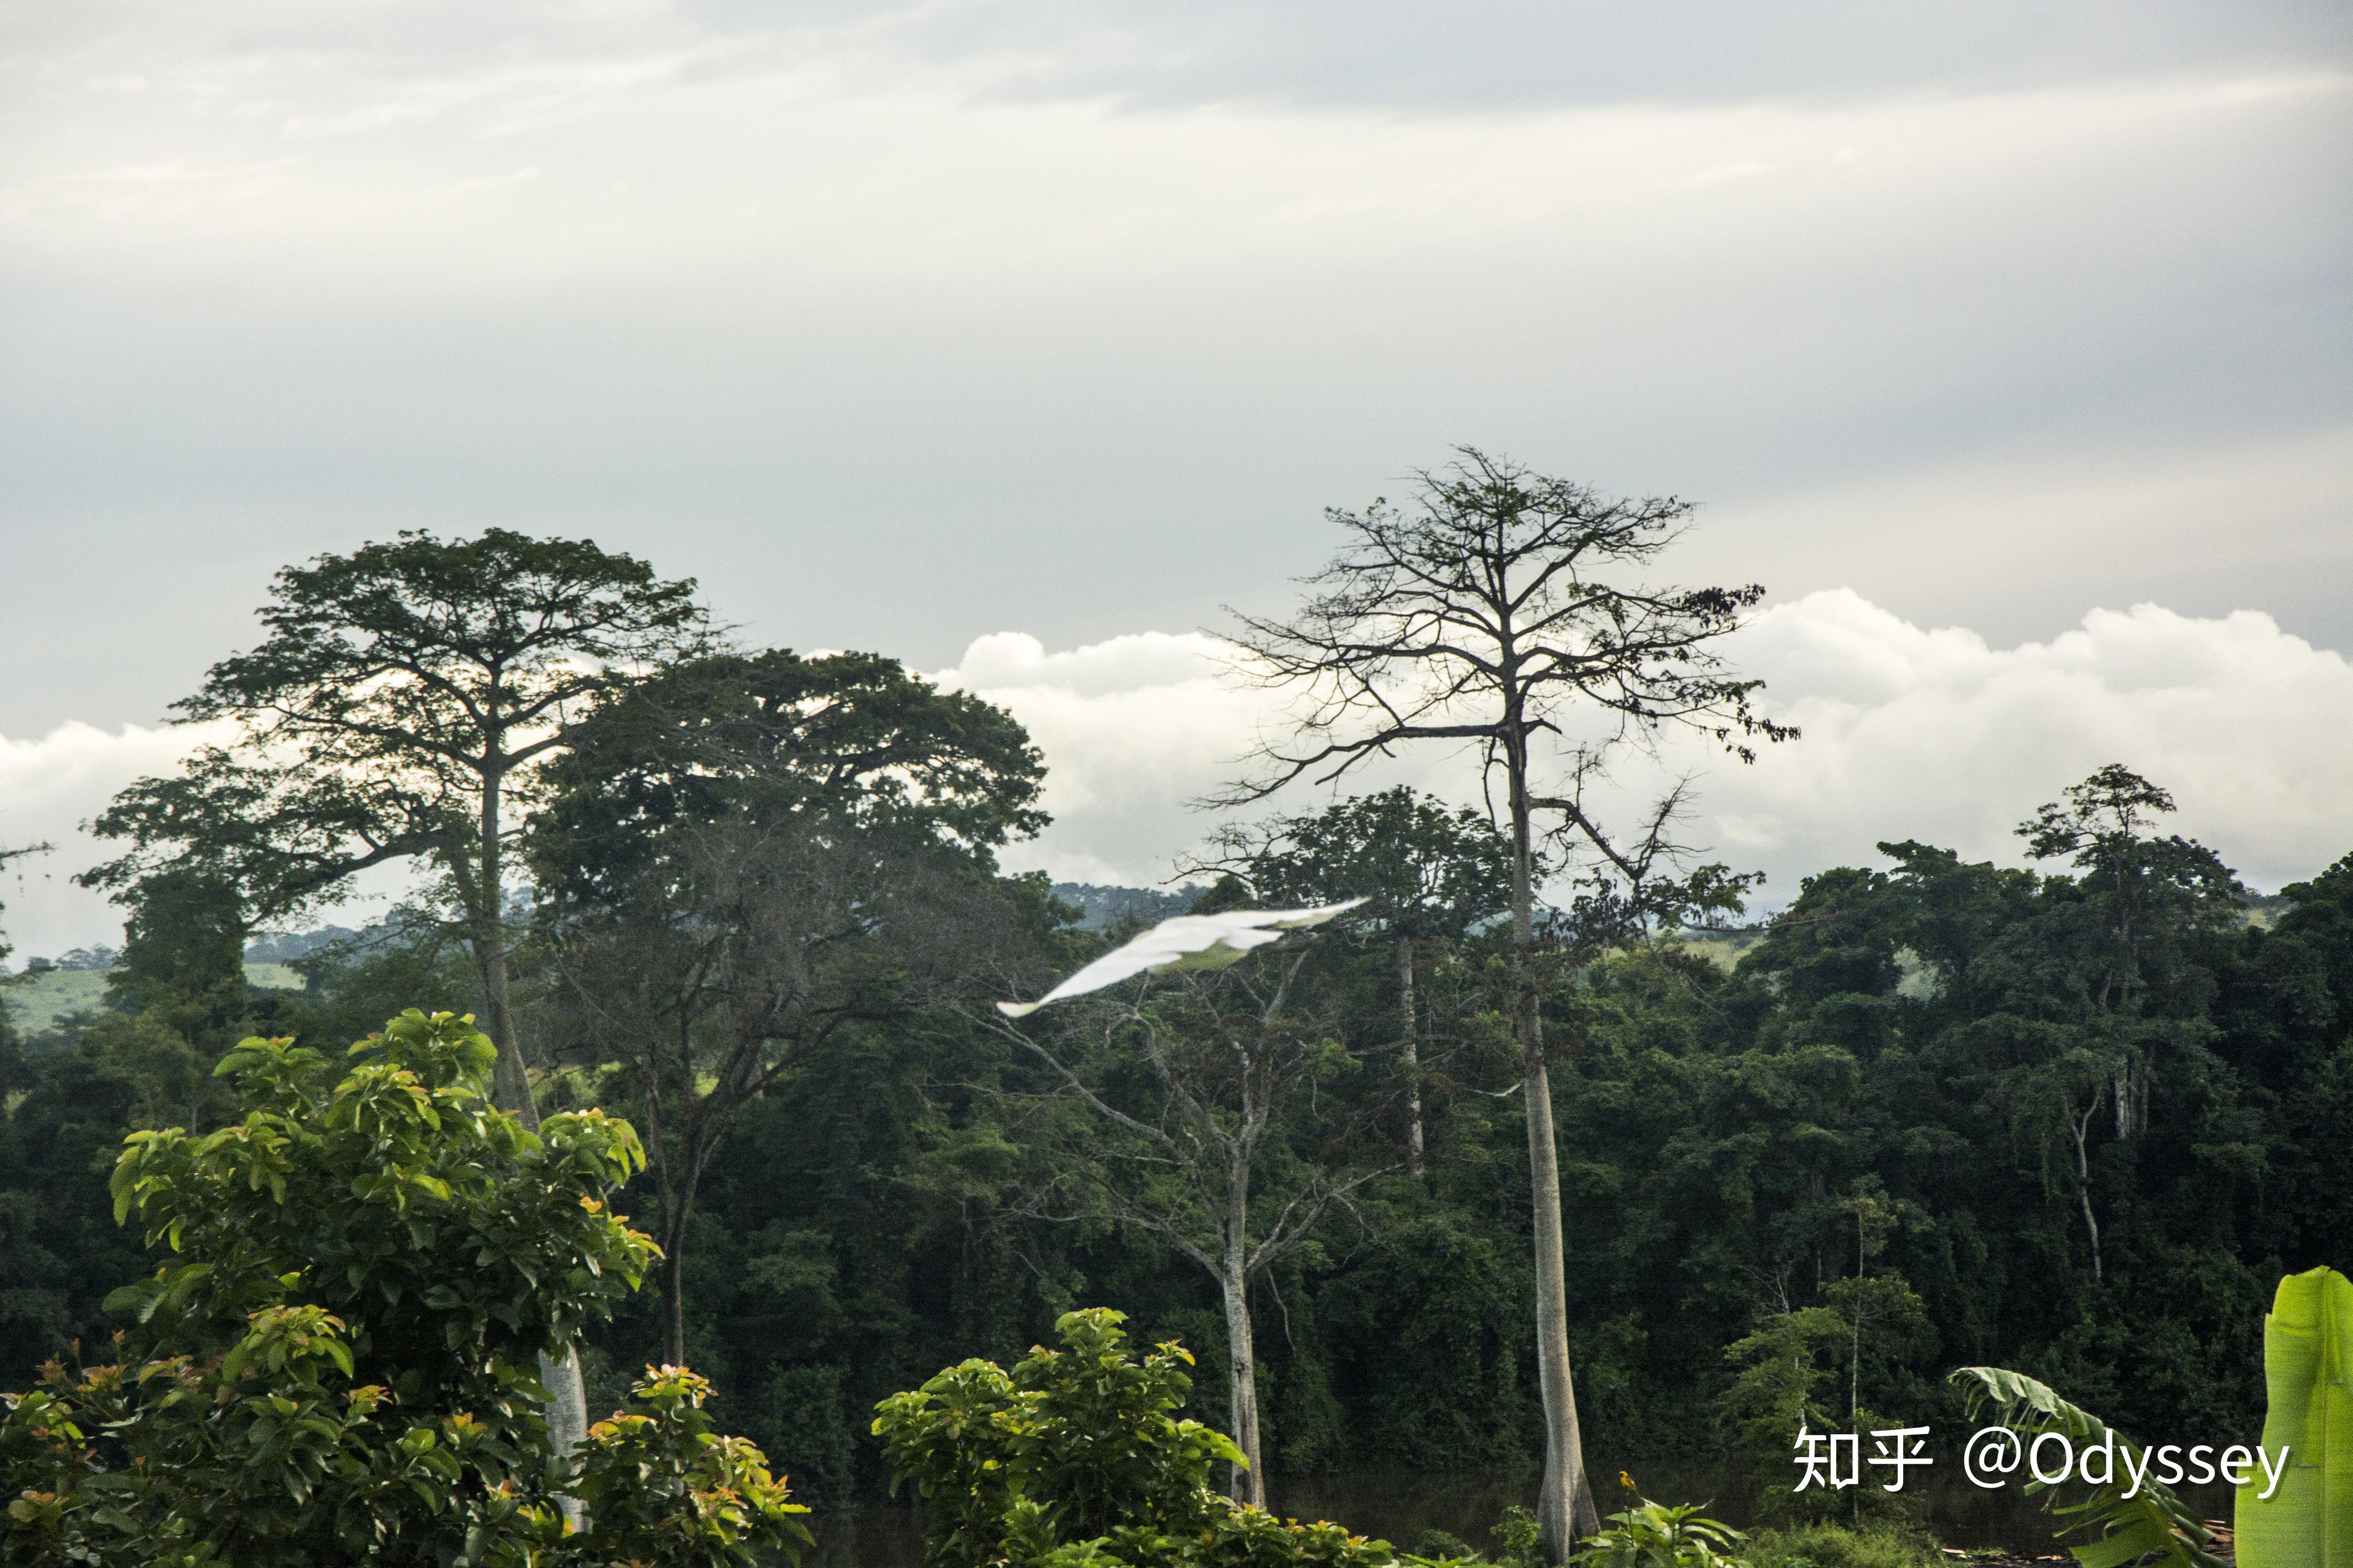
pixel 2007 344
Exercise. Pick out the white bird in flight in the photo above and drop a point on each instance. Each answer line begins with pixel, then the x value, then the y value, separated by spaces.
pixel 1188 941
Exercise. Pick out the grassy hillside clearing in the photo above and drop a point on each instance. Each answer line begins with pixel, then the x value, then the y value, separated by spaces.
pixel 36 1002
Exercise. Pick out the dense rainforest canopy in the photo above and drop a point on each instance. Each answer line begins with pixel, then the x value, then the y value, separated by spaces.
pixel 1908 1076
pixel 2075 1119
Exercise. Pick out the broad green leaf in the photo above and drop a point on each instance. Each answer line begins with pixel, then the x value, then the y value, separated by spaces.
pixel 2307 1521
pixel 2152 1520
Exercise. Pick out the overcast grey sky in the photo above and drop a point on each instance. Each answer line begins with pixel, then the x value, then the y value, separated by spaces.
pixel 899 326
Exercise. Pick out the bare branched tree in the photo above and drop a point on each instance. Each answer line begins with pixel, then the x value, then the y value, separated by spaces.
pixel 1494 612
pixel 1193 1112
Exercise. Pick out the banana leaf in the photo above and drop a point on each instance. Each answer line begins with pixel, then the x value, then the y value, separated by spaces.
pixel 2307 1521
pixel 2153 1520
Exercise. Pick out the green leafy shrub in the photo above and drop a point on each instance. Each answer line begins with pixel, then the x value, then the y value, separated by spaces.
pixel 1660 1535
pixel 338 1362
pixel 1827 1545
pixel 1076 1459
pixel 1520 1537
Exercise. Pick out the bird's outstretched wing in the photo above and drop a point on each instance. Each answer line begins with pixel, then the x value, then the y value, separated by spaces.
pixel 1188 941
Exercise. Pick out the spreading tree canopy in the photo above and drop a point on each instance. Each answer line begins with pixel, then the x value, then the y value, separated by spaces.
pixel 744 855
pixel 404 702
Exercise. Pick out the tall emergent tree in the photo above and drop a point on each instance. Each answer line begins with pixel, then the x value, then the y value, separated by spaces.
pixel 2148 901
pixel 402 704
pixel 745 854
pixel 7 1028
pixel 2132 927
pixel 1494 612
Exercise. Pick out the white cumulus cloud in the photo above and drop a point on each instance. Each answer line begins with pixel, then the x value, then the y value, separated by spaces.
pixel 47 788
pixel 1134 730
pixel 1910 733
pixel 1935 735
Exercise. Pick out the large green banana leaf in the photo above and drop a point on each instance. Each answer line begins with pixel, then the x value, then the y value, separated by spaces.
pixel 2307 1521
pixel 2153 1520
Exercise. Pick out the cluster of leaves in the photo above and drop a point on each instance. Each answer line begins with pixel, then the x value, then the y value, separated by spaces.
pixel 1661 1535
pixel 1825 1544
pixel 1076 1457
pixel 338 1358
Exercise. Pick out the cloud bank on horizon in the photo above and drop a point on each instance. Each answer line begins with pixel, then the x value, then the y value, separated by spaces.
pixel 1909 733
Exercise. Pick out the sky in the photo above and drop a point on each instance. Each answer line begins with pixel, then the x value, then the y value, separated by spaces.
pixel 2006 345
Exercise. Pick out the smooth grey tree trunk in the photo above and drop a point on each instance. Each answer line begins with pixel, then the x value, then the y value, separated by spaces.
pixel 1248 1478
pixel 2080 1128
pixel 1565 1509
pixel 567 1403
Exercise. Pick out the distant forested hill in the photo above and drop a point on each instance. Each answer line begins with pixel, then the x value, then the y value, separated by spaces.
pixel 1103 906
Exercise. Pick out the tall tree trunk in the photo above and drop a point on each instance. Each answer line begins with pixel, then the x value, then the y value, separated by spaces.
pixel 674 1295
pixel 567 1402
pixel 510 1081
pixel 1854 1338
pixel 679 1209
pixel 1565 1510
pixel 2081 1126
pixel 1411 1051
pixel 1854 1342
pixel 1249 1478
pixel 674 1197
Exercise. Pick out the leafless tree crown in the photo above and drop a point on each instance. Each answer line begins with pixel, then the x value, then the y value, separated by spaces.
pixel 1482 611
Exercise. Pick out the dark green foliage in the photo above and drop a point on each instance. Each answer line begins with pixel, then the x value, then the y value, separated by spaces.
pixel 184 950
pixel 1424 1329
pixel 1890 1047
pixel 747 854
pixel 338 1358
pixel 1722 1129
pixel 1519 1538
pixel 1824 1545
pixel 1427 870
pixel 1784 1370
pixel 849 740
pixel 61 1251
